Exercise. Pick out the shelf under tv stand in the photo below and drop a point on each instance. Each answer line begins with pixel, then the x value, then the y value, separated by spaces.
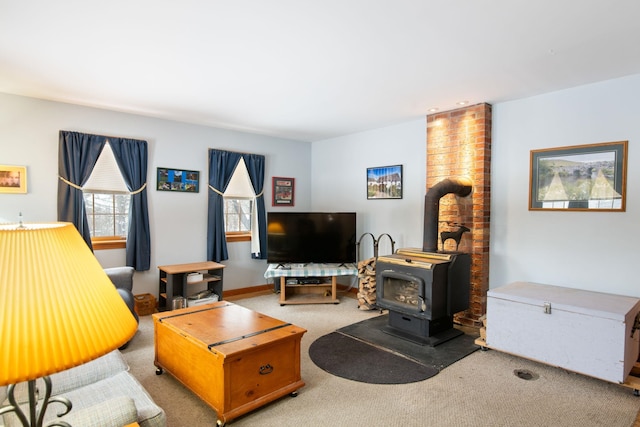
pixel 324 292
pixel 309 293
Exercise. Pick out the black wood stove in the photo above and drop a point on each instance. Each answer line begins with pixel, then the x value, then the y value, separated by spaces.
pixel 422 292
pixel 423 289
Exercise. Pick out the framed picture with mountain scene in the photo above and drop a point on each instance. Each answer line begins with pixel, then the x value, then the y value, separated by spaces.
pixel 588 178
pixel 384 182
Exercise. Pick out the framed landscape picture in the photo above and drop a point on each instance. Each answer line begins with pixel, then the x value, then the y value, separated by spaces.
pixel 579 178
pixel 178 180
pixel 384 182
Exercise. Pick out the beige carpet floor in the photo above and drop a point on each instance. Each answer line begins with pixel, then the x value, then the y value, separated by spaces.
pixel 479 390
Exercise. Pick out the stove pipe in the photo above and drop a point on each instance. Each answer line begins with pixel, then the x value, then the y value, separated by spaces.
pixel 458 186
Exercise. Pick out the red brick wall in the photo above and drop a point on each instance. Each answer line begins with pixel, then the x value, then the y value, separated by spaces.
pixel 459 145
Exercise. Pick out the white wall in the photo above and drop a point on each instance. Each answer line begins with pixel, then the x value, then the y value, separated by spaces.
pixel 586 250
pixel 339 182
pixel 29 137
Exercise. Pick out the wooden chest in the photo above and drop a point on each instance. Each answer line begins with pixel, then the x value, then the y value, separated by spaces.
pixel 591 333
pixel 233 358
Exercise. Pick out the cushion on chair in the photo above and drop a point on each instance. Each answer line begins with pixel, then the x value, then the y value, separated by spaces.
pixel 88 373
pixel 114 412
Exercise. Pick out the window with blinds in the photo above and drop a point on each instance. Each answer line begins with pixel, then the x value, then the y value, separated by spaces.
pixel 107 201
pixel 238 204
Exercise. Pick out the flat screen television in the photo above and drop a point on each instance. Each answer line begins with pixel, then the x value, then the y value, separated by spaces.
pixel 311 237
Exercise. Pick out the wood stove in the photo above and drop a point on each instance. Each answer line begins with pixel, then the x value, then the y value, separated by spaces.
pixel 423 289
pixel 422 292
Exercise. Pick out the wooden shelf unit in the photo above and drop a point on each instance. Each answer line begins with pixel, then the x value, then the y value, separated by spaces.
pixel 173 280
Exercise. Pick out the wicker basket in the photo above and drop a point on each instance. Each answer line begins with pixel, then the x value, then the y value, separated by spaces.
pixel 145 304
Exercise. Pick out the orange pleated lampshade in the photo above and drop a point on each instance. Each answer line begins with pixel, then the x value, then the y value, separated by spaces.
pixel 58 308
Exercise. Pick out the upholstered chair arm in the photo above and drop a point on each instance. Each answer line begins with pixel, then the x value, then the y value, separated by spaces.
pixel 122 277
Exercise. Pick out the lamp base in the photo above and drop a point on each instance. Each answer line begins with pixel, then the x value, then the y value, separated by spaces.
pixel 36 415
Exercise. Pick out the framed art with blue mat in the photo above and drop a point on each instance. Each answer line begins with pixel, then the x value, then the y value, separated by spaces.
pixel 178 180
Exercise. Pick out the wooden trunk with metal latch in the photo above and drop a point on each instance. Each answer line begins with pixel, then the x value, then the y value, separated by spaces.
pixel 591 333
pixel 233 358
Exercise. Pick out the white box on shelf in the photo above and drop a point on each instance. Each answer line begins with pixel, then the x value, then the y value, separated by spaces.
pixel 587 332
pixel 194 277
pixel 208 300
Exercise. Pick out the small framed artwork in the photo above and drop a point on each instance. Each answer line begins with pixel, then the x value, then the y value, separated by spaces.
pixel 590 178
pixel 13 179
pixel 384 182
pixel 178 180
pixel 283 191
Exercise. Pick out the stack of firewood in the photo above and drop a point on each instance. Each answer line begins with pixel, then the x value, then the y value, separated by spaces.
pixel 367 284
pixel 482 339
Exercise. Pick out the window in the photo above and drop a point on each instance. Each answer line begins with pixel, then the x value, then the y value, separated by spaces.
pixel 237 218
pixel 106 200
pixel 108 216
pixel 238 205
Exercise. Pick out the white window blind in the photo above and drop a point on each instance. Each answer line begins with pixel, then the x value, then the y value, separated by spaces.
pixel 106 175
pixel 240 185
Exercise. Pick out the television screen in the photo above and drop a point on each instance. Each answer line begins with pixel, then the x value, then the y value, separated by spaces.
pixel 311 237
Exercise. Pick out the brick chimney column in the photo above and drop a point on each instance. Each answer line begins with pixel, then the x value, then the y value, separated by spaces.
pixel 459 145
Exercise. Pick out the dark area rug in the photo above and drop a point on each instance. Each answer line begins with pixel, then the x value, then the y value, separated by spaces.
pixel 353 359
pixel 363 352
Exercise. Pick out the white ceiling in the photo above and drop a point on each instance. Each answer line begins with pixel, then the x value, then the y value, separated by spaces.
pixel 309 70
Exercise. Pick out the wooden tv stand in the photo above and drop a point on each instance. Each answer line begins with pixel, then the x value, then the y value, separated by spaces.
pixel 305 290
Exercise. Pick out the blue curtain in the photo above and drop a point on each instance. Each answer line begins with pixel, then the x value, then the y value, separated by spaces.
pixel 221 167
pixel 77 155
pixel 222 164
pixel 255 167
pixel 131 156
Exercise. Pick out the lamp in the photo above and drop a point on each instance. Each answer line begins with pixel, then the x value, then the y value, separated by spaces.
pixel 58 309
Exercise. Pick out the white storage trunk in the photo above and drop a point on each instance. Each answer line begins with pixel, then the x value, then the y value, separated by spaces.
pixel 591 333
